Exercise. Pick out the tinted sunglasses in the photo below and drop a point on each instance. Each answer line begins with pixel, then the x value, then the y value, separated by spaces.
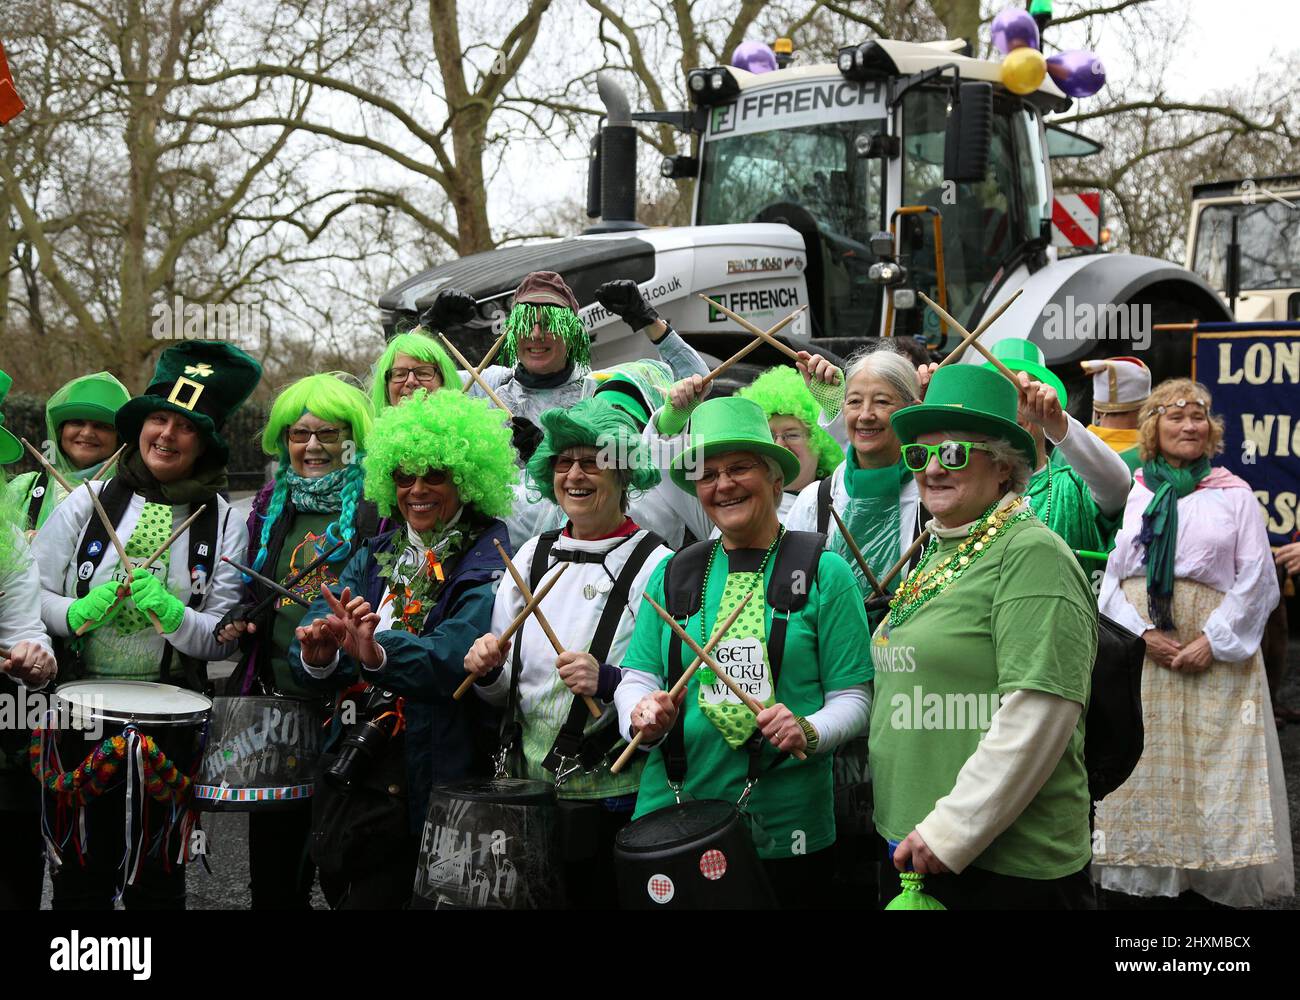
pixel 431 477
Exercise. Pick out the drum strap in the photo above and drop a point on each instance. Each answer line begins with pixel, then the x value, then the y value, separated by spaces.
pixel 38 497
pixel 824 504
pixel 793 569
pixel 569 742
pixel 511 729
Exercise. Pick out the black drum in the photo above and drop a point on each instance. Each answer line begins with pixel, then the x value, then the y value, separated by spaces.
pixel 690 856
pixel 261 755
pixel 491 844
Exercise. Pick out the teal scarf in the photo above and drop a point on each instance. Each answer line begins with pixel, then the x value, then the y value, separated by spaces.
pixel 1160 530
pixel 871 515
pixel 319 494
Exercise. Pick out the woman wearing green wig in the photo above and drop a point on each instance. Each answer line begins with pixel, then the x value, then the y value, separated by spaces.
pixel 590 457
pixel 317 429
pixel 79 436
pixel 411 361
pixel 412 601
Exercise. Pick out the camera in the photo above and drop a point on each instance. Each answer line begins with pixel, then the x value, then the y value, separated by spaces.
pixel 365 740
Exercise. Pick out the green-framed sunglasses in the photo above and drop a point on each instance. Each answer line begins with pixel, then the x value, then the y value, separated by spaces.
pixel 953 455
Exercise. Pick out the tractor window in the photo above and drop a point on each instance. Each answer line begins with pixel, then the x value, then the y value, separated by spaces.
pixel 1269 234
pixel 983 222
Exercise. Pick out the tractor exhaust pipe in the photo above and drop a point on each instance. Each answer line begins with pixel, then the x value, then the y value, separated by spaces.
pixel 611 178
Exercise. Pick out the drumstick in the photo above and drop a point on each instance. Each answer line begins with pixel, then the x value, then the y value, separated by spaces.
pixel 967 337
pixel 87 625
pixel 541 621
pixel 751 346
pixel 515 625
pixel 473 373
pixel 262 605
pixel 681 633
pixel 857 554
pixel 787 351
pixel 988 322
pixel 487 360
pixel 103 518
pixel 267 581
pixel 109 464
pixel 921 539
pixel 718 633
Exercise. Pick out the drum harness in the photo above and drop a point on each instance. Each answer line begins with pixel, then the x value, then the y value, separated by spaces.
pixel 573 751
pixel 796 560
pixel 116 497
pixel 38 497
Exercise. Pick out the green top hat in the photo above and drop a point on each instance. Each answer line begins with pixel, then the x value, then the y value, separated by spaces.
pixel 203 380
pixel 11 449
pixel 967 398
pixel 1022 355
pixel 729 424
pixel 91 397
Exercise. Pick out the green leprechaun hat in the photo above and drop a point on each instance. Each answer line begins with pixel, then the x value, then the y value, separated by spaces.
pixel 1022 355
pixel 204 380
pixel 11 449
pixel 967 398
pixel 91 397
pixel 728 424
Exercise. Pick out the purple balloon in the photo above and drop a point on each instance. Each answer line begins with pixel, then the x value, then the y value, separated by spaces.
pixel 1014 28
pixel 754 57
pixel 1079 73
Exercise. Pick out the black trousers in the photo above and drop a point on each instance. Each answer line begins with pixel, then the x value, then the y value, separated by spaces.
pixel 977 889
pixel 803 882
pixel 280 870
pixel 388 886
pixel 22 859
pixel 587 832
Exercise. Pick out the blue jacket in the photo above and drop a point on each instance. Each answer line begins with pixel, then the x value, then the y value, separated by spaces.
pixel 446 740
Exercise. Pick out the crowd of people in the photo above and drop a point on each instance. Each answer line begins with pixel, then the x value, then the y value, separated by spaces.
pixel 636 596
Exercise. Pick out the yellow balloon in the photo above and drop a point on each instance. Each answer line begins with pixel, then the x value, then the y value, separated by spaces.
pixel 1023 70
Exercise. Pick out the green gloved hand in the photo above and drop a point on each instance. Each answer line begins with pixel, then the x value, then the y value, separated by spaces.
pixel 149 594
pixel 99 606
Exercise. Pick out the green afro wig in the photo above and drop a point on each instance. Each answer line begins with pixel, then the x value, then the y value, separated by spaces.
pixel 460 434
pixel 781 392
pixel 419 345
pixel 326 396
pixel 559 320
pixel 592 423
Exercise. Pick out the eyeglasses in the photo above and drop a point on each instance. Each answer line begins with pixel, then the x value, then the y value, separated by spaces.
pixel 325 435
pixel 790 437
pixel 735 472
pixel 563 463
pixel 431 477
pixel 953 455
pixel 425 374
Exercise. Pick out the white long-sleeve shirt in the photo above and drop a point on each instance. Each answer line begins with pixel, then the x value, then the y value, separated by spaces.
pixel 1222 543
pixel 1098 464
pixel 20 608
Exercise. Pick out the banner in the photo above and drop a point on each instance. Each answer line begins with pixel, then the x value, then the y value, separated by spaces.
pixel 1253 376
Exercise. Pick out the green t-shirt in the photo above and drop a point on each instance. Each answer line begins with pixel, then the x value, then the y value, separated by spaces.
pixel 1021 617
pixel 288 616
pixel 825 650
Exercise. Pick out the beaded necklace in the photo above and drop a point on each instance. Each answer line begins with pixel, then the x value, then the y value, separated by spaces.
pixel 923 583
pixel 704 592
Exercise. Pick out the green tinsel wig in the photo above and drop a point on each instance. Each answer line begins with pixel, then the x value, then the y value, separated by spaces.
pixel 325 396
pixel 781 392
pixel 559 320
pixel 459 434
pixel 419 345
pixel 592 423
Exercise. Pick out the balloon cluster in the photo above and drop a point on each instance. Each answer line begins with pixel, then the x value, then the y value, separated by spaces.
pixel 1078 73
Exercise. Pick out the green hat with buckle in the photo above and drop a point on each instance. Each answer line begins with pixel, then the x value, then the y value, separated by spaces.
pixel 967 398
pixel 728 424
pixel 202 380
pixel 11 449
pixel 1022 355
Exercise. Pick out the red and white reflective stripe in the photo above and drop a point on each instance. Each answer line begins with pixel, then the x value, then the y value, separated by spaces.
pixel 1076 219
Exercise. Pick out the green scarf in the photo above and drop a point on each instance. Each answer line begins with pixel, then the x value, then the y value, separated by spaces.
pixel 318 494
pixel 1160 530
pixel 871 514
pixel 204 482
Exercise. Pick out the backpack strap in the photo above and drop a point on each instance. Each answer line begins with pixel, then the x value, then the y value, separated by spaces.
pixel 202 559
pixel 683 583
pixel 115 497
pixel 824 504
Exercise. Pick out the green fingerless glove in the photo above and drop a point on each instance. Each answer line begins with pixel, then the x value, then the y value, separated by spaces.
pixel 829 397
pixel 149 594
pixel 671 420
pixel 99 606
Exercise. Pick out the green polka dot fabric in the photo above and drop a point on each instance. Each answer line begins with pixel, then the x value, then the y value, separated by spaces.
pixel 153 528
pixel 733 720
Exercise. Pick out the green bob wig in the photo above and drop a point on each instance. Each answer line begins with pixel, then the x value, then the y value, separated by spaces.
pixel 326 396
pixel 592 423
pixel 559 320
pixel 419 345
pixel 459 434
pixel 781 392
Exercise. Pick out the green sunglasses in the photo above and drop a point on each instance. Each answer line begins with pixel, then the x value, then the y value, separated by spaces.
pixel 953 455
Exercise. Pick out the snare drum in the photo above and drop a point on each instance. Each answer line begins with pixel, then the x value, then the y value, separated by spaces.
pixel 491 844
pixel 90 711
pixel 690 856
pixel 262 754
